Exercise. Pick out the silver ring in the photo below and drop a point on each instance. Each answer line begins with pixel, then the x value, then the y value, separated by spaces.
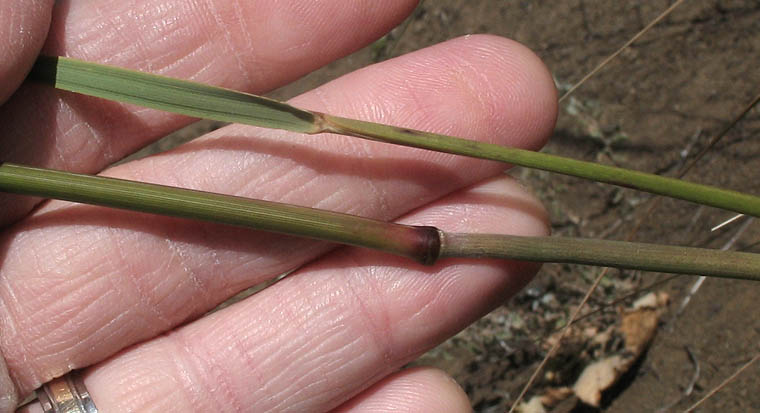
pixel 66 394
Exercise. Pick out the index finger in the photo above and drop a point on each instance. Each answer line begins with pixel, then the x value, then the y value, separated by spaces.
pixel 253 46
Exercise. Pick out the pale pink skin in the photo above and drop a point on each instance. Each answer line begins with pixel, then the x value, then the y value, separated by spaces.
pixel 117 292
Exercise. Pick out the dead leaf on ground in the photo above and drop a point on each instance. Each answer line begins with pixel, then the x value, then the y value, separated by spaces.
pixel 598 377
pixel 638 327
pixel 533 405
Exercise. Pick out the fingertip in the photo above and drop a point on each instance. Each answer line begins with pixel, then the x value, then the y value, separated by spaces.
pixel 526 95
pixel 498 205
pixel 23 28
pixel 420 389
pixel 479 87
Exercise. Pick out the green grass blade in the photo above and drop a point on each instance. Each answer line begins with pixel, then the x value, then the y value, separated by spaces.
pixel 171 95
pixel 210 102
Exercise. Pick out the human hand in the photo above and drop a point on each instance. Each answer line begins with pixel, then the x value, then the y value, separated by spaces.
pixel 120 293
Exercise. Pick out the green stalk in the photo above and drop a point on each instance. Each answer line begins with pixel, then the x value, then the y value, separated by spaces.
pixel 656 184
pixel 619 254
pixel 209 102
pixel 421 243
pixel 404 240
pixel 170 95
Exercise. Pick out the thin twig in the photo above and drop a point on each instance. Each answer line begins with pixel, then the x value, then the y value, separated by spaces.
pixel 623 47
pixel 693 382
pixel 556 345
pixel 720 135
pixel 726 222
pixel 690 387
pixel 681 173
pixel 723 384
pixel 626 297
pixel 697 284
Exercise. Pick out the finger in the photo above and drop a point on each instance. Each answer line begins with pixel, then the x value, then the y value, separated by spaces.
pixel 102 279
pixel 420 390
pixel 23 28
pixel 253 46
pixel 319 337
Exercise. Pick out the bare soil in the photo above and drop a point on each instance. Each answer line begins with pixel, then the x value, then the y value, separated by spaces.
pixel 652 109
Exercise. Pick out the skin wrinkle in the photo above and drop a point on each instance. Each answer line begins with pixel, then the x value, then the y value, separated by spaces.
pixel 298 389
pixel 289 352
pixel 84 310
pixel 424 309
pixel 108 327
pixel 311 393
pixel 248 44
pixel 73 288
pixel 133 385
pixel 103 31
pixel 373 315
pixel 222 25
pixel 299 392
pixel 74 151
pixel 56 348
pixel 272 183
pixel 173 309
pixel 133 44
pixel 293 352
pixel 184 376
pixel 300 194
pixel 144 297
pixel 213 378
pixel 258 358
pixel 201 290
pixel 164 286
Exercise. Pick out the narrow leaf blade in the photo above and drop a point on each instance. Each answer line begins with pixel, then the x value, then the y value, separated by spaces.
pixel 171 95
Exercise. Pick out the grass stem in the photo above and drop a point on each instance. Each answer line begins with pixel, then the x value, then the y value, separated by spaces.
pixel 656 184
pixel 421 243
pixel 418 243
pixel 619 254
pixel 215 103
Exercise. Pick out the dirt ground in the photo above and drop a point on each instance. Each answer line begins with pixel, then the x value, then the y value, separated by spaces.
pixel 652 109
